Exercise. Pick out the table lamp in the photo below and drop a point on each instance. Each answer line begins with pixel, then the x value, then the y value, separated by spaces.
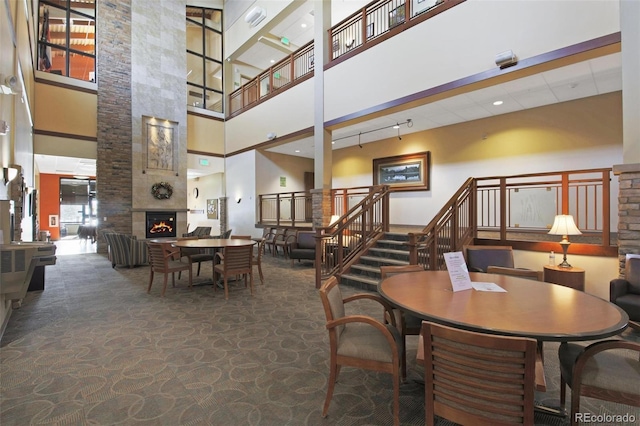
pixel 564 225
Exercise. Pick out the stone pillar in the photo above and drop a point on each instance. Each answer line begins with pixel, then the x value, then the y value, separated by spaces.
pixel 321 205
pixel 223 211
pixel 628 210
pixel 114 161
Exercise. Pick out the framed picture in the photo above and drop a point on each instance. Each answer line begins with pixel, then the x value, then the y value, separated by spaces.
pixel 403 172
pixel 53 221
pixel 311 60
pixel 370 30
pixel 396 16
pixel 212 208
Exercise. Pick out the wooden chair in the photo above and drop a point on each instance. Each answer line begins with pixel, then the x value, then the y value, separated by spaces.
pixel 162 258
pixel 235 261
pixel 516 272
pixel 478 379
pixel 409 325
pixel 276 234
pixel 478 258
pixel 608 370
pixel 285 242
pixel 360 341
pixel 196 255
pixel 256 260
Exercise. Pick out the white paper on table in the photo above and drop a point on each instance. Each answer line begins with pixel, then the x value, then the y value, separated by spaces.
pixel 480 286
pixel 458 272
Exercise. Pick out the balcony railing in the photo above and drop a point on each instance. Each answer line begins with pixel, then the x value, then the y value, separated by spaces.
pixel 370 25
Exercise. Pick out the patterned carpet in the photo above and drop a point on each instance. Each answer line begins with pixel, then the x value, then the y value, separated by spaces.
pixel 95 349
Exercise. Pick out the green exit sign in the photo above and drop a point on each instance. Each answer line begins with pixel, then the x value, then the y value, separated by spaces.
pixel 204 162
pixel 285 41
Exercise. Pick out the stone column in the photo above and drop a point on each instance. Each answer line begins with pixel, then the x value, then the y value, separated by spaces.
pixel 321 205
pixel 114 161
pixel 223 211
pixel 628 210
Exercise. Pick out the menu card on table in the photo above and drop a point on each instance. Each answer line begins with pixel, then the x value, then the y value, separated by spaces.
pixel 458 272
pixel 459 275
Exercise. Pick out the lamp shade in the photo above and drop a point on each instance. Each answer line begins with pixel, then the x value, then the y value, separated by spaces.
pixel 564 225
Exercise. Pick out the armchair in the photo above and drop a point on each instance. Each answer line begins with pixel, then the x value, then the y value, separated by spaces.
pixel 625 292
pixel 126 250
pixel 608 370
pixel 303 246
pixel 478 258
pixel 200 232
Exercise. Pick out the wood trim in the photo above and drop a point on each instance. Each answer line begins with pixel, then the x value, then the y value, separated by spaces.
pixel 547 246
pixel 611 40
pixel 65 135
pixel 209 154
pixel 199 114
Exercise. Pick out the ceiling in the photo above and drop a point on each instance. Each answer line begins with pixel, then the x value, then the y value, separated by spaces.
pixel 593 77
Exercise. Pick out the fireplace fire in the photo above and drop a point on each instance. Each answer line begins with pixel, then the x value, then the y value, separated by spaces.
pixel 161 224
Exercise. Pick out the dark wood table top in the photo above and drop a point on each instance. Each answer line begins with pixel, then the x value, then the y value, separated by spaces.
pixel 213 243
pixel 543 311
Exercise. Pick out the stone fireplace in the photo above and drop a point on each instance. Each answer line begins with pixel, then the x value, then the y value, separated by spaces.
pixel 161 224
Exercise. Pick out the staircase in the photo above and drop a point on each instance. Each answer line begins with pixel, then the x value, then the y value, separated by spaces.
pixel 391 250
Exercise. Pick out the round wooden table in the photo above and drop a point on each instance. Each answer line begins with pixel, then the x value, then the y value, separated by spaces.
pixel 212 243
pixel 543 311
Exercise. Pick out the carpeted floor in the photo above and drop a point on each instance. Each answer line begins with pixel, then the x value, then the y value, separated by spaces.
pixel 95 349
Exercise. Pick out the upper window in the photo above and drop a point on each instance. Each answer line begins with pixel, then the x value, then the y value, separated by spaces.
pixel 67 38
pixel 204 58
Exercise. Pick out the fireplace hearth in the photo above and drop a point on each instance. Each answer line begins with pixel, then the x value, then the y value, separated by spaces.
pixel 161 224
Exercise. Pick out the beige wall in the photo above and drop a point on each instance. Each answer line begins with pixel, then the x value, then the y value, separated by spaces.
pixel 209 187
pixel 62 110
pixel 273 166
pixel 205 134
pixel 580 134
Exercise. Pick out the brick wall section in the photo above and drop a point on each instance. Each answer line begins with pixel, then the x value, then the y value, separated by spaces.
pixel 114 161
pixel 321 205
pixel 628 213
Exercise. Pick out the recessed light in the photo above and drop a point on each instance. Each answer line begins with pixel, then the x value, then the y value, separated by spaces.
pixel 297 150
pixel 303 25
pixel 333 143
pixel 273 61
pixel 496 103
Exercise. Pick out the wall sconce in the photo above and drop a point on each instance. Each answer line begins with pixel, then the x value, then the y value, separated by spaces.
pixel 238 200
pixel 564 225
pixel 9 174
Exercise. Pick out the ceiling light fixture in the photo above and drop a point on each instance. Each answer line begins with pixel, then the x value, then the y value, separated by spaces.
pixel 303 25
pixel 496 103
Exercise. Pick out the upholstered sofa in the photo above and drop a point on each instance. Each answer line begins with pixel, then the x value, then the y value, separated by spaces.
pixel 303 247
pixel 625 292
pixel 126 250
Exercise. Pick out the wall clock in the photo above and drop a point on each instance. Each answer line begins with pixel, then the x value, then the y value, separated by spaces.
pixel 196 192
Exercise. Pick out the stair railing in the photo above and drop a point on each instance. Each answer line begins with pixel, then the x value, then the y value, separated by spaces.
pixel 340 244
pixel 450 229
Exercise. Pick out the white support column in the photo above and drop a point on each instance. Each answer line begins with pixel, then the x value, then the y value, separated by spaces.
pixel 630 29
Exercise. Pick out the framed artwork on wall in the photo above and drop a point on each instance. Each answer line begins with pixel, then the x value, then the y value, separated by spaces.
pixel 403 172
pixel 53 221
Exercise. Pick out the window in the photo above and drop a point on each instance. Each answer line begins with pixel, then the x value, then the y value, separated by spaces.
pixel 66 38
pixel 204 58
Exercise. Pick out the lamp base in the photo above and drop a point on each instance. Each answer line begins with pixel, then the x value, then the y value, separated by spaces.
pixel 565 246
pixel 564 264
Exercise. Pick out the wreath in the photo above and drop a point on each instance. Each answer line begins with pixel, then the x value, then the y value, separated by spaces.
pixel 162 190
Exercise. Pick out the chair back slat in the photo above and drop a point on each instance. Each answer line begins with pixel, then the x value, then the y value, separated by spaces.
pixel 238 259
pixel 476 378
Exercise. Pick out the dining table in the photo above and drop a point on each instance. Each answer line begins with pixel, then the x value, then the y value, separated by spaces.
pixel 213 243
pixel 543 311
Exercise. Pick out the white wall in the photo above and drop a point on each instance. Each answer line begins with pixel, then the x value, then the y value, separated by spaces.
pixel 460 42
pixel 209 187
pixel 241 183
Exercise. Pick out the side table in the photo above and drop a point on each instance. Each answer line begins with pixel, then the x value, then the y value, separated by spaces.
pixel 568 277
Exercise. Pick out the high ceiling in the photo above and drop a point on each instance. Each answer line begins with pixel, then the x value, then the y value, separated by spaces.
pixel 580 80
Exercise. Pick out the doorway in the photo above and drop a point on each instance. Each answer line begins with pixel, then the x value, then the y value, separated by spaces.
pixel 78 208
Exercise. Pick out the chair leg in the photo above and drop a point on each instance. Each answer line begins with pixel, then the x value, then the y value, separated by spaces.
pixel 190 278
pixel 250 282
pixel 333 375
pixel 226 289
pixel 563 391
pixel 403 361
pixel 260 272
pixel 164 286
pixel 150 280
pixel 198 273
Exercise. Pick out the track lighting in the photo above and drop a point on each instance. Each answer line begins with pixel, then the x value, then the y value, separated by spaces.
pixel 409 123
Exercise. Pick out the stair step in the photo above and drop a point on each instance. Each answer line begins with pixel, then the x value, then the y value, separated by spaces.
pixel 395 243
pixel 384 260
pixel 366 270
pixel 398 236
pixel 359 281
